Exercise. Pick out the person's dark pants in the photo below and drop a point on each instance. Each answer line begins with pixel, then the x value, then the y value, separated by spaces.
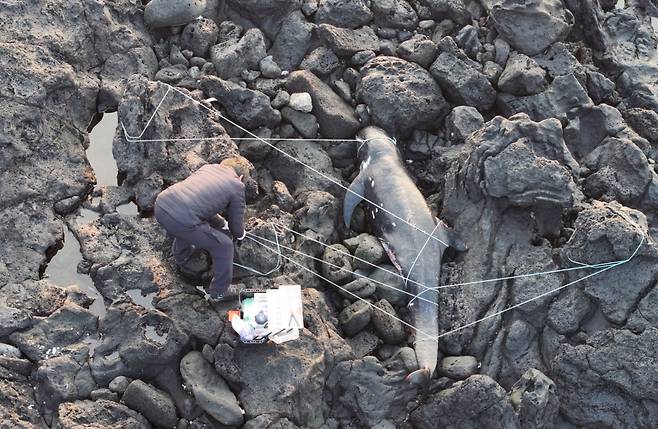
pixel 201 236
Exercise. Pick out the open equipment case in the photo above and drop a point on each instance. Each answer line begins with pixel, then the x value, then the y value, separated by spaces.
pixel 268 315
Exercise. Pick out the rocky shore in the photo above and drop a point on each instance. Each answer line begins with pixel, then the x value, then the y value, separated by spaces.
pixel 530 127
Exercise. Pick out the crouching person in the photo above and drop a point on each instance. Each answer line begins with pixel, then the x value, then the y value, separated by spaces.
pixel 188 209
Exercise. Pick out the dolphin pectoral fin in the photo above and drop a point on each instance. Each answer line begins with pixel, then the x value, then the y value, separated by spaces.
pixel 420 377
pixel 352 198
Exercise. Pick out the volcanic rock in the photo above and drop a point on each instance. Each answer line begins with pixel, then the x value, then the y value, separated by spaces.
pixel 231 58
pixel 152 403
pixel 168 13
pixel 347 14
pixel 336 118
pixel 400 95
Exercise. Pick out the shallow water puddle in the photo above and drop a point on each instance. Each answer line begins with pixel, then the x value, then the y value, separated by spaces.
pixel 151 334
pixel 99 152
pixel 62 271
pixel 145 301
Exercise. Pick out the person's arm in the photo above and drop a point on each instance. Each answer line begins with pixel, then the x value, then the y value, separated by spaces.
pixel 235 215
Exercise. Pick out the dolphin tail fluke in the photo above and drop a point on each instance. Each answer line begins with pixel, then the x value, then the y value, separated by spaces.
pixel 352 198
pixel 420 377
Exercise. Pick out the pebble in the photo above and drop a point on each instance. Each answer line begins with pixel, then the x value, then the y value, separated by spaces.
pixel 152 403
pixel 301 101
pixel 9 350
pixel 119 384
pixel 458 367
pixel 269 68
pixel 362 57
pixel 388 328
pixel 305 123
pixel 362 287
pixel 344 90
pixel 369 250
pixel 282 99
pixel 355 317
pixel 282 196
pixel 106 394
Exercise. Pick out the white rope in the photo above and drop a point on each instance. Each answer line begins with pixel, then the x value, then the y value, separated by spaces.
pixel 343 269
pixel 131 138
pixel 435 288
pixel 406 280
pixel 329 178
pixel 242 138
pixel 349 292
pixel 452 331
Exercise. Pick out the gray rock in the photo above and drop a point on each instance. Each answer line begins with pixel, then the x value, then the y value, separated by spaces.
pixel 363 343
pixel 321 61
pixel 106 394
pixel 362 57
pixel 231 58
pixel 250 109
pixel 395 292
pixel 620 171
pixel 609 232
pixel 458 367
pixel 301 101
pixel 534 397
pixel 176 57
pixel 336 118
pixel 401 96
pixel 345 42
pixel 168 13
pixel 49 336
pixel 9 351
pixel 467 39
pixel 56 382
pixel 564 94
pixel 601 89
pixel 567 311
pixel 370 250
pixel 600 391
pixel 292 42
pixel 349 14
pixel 503 171
pixel 254 255
pixel 492 71
pixel 282 98
pixel 394 14
pixel 343 89
pixel 475 402
pixel 139 60
pixel 419 49
pixel 365 391
pixel 355 317
pixel 339 256
pixel 152 403
pixel 389 329
pixel 463 121
pixel 282 196
pixel 269 68
pixel 199 36
pixel 119 384
pixel 146 174
pixel 460 80
pixel 522 76
pixel 502 51
pixel 297 177
pixel 171 75
pixel 558 60
pixel 454 10
pixel 532 28
pixel 102 413
pixel 210 390
pixel 361 287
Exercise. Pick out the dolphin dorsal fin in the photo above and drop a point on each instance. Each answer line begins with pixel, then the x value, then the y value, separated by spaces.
pixel 353 197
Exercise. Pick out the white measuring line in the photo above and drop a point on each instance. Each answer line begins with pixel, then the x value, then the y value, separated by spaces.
pixel 343 269
pixel 346 291
pixel 435 288
pixel 452 331
pixel 254 136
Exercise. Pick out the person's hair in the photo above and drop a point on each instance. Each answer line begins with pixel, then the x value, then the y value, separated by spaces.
pixel 239 165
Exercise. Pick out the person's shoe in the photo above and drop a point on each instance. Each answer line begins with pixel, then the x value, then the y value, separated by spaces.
pixel 230 294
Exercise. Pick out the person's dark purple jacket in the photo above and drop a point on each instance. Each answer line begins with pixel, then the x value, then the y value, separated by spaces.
pixel 210 190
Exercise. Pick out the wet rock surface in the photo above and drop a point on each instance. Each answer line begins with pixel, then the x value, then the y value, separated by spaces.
pixel 530 128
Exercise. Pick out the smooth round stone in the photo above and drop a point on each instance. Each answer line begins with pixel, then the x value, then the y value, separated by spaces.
pixel 168 13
